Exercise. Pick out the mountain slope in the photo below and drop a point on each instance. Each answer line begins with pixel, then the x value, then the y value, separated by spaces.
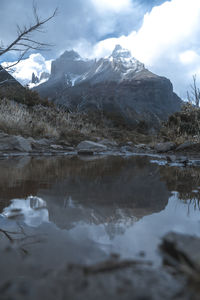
pixel 9 86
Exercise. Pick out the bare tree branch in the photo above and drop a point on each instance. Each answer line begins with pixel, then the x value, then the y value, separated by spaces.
pixel 23 43
pixel 195 92
pixel 24 34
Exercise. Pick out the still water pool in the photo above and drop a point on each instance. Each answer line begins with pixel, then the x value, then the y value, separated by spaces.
pixel 83 210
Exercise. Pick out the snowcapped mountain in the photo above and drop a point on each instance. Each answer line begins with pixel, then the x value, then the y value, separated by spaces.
pixel 72 69
pixel 119 66
pixel 118 85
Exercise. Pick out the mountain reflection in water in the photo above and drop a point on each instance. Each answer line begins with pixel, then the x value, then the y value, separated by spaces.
pixel 93 208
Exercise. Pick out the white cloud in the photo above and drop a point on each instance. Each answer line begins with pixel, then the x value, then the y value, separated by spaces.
pixel 167 42
pixel 188 57
pixel 112 5
pixel 36 63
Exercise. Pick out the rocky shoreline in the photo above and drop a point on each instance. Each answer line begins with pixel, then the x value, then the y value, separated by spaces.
pixel 11 146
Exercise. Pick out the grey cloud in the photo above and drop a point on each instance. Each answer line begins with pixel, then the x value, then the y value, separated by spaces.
pixel 77 20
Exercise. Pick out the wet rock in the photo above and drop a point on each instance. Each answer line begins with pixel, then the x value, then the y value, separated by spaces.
pixel 108 143
pixel 41 144
pixel 181 249
pixel 185 145
pixel 11 143
pixel 56 147
pixel 91 146
pixel 125 149
pixel 85 152
pixel 164 147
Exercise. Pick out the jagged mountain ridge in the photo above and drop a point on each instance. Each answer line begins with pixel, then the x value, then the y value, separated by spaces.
pixel 118 86
pixel 119 66
pixel 70 69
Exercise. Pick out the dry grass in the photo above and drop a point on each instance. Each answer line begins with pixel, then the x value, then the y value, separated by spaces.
pixel 49 121
pixel 183 126
pixel 41 121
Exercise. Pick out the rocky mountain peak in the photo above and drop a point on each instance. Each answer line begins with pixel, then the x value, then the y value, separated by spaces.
pixel 70 55
pixel 120 52
pixel 126 64
pixel 119 66
pixel 69 64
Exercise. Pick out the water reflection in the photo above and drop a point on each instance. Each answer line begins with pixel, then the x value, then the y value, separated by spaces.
pixel 88 209
pixel 32 211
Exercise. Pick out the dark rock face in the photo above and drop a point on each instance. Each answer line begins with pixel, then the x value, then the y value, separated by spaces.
pixel 69 62
pixel 44 75
pixel 35 79
pixel 118 86
pixel 64 72
pixel 9 86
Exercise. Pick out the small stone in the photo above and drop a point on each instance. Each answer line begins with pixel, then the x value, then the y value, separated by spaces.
pixel 56 147
pixel 91 146
pixel 164 147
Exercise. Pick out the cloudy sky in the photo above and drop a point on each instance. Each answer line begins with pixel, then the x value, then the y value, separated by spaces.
pixel 165 35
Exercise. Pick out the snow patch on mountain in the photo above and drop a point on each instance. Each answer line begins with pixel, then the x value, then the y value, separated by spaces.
pixel 32 85
pixel 119 66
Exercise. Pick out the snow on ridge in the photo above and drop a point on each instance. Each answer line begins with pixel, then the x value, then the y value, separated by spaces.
pixel 123 56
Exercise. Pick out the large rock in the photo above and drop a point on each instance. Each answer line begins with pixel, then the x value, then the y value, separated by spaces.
pixel 91 147
pixel 164 147
pixel 185 145
pixel 181 249
pixel 13 143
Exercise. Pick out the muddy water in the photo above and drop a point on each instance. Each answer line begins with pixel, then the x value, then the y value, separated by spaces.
pixel 83 210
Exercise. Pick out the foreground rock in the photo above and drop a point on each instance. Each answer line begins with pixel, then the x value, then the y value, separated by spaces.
pixel 17 144
pixel 185 145
pixel 182 251
pixel 164 147
pixel 111 280
pixel 14 143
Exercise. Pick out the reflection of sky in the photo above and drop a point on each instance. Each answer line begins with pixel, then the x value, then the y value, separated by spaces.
pixel 32 211
pixel 125 238
pixel 145 234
